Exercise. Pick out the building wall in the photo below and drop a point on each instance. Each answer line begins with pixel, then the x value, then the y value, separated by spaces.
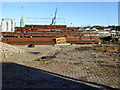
pixel 7 25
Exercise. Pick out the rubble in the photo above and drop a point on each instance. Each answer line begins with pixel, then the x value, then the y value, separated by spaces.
pixel 9 50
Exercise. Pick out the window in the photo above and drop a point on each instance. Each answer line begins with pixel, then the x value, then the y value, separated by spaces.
pixel 7 25
pixel 11 25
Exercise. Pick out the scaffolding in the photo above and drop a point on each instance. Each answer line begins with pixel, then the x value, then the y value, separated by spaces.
pixel 44 21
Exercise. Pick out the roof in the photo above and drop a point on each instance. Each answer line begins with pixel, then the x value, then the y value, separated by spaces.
pixel 7 19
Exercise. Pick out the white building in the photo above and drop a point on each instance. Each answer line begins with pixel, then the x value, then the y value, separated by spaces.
pixel 8 25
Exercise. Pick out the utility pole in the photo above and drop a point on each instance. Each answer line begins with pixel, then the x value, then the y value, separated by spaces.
pixel 108 21
pixel 21 21
pixel 21 10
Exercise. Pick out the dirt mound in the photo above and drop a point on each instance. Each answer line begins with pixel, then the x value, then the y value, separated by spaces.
pixel 8 50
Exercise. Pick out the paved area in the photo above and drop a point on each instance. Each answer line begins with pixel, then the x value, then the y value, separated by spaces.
pixel 72 66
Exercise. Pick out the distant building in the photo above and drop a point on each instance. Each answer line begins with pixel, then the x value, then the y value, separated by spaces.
pixel 21 22
pixel 107 29
pixel 8 25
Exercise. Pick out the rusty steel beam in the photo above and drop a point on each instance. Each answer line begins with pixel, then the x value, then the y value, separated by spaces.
pixel 46 37
pixel 20 41
pixel 45 25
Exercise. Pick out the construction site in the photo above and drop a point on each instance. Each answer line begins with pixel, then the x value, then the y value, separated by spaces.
pixel 57 56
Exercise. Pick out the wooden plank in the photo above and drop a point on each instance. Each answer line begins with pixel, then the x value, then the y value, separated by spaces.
pixel 60 40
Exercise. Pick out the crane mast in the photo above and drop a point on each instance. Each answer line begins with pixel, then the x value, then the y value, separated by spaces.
pixel 54 19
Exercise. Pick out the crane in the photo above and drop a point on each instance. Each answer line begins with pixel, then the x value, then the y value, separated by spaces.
pixel 54 19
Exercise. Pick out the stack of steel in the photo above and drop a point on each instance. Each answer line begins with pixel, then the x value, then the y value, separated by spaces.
pixel 46 35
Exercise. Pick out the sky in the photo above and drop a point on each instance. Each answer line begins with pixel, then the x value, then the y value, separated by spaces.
pixel 74 13
pixel 119 13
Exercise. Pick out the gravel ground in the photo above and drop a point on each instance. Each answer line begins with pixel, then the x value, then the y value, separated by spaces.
pixel 72 66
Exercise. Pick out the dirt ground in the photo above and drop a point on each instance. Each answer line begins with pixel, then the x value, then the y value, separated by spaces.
pixel 72 66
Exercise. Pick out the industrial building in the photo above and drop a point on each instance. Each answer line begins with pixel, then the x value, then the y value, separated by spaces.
pixel 21 22
pixel 8 25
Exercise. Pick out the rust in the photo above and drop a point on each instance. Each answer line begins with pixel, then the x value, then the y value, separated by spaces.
pixel 43 35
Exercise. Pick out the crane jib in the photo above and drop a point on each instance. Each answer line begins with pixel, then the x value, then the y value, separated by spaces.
pixel 54 19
